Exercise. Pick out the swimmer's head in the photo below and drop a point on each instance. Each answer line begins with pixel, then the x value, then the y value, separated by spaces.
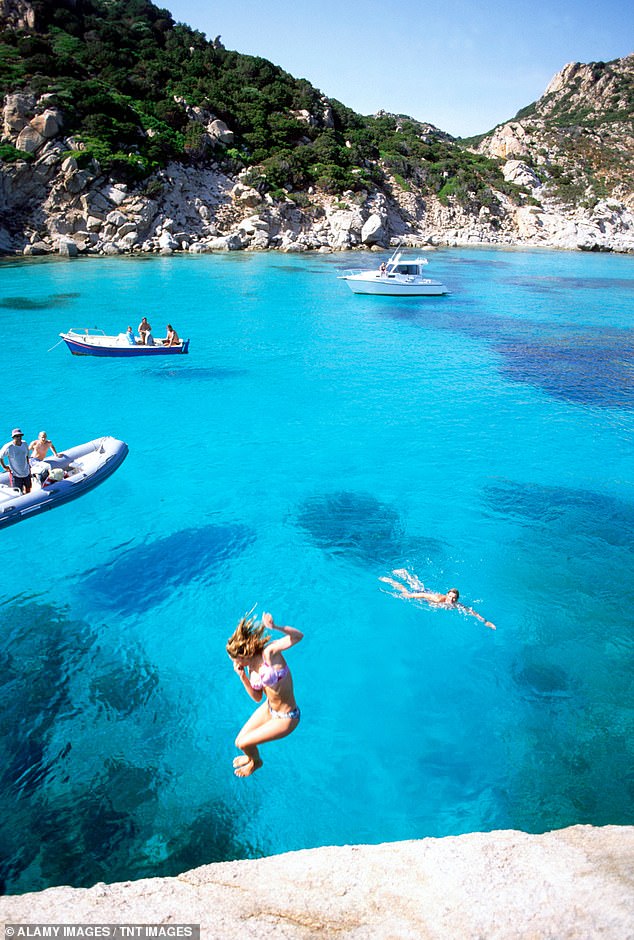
pixel 452 595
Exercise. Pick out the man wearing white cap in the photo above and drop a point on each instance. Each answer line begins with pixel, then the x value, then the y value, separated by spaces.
pixel 17 453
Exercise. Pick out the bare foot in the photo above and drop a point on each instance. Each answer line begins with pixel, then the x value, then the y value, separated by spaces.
pixel 413 581
pixel 245 770
pixel 401 572
pixel 241 760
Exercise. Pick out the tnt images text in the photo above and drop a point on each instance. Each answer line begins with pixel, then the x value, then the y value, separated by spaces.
pixel 109 931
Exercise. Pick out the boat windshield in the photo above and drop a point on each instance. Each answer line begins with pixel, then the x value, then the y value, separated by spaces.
pixel 408 269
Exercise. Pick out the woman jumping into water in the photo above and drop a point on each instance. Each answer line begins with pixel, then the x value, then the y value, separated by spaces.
pixel 450 599
pixel 264 673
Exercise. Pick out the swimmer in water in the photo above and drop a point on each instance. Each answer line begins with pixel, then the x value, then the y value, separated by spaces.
pixel 264 674
pixel 419 592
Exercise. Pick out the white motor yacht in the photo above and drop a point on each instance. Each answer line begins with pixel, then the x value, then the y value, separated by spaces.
pixel 396 277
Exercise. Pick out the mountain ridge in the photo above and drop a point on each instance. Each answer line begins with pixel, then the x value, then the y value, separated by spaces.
pixel 585 117
pixel 125 131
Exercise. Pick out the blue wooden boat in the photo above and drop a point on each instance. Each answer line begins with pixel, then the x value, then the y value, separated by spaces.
pixel 93 342
pixel 59 479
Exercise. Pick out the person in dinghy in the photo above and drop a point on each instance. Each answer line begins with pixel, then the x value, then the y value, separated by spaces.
pixel 262 669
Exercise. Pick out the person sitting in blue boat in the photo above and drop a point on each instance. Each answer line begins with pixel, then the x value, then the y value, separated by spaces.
pixel 17 455
pixel 129 335
pixel 264 674
pixel 172 338
pixel 419 592
pixel 144 330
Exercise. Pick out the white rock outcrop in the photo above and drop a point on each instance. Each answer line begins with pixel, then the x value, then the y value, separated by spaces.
pixel 572 884
pixel 15 113
pixel 515 171
pixel 47 194
pixel 48 124
pixel 373 232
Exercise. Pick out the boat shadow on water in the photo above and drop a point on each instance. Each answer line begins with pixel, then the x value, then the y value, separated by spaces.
pixel 194 374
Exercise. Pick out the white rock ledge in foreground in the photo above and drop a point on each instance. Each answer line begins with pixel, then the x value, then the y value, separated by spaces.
pixel 507 885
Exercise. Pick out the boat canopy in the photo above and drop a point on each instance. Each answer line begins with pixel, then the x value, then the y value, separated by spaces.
pixel 411 268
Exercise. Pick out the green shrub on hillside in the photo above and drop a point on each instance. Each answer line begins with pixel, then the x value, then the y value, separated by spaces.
pixel 120 70
pixel 10 154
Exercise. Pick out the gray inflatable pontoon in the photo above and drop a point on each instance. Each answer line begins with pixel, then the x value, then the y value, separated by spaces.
pixel 57 480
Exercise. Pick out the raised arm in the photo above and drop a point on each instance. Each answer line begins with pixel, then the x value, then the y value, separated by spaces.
pixel 474 613
pixel 290 638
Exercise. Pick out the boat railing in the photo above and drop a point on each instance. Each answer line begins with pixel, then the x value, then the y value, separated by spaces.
pixel 87 331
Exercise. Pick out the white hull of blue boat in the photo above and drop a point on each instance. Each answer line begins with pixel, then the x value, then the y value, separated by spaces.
pixel 79 469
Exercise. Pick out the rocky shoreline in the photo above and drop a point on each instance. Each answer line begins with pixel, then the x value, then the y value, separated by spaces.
pixel 51 205
pixel 571 884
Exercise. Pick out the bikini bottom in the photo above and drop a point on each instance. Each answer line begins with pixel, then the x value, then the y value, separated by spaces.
pixel 289 716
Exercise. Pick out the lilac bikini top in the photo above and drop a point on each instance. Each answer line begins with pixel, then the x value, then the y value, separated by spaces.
pixel 267 676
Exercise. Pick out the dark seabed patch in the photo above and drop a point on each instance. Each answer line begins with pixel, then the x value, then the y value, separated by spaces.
pixel 29 303
pixel 546 284
pixel 125 687
pixel 166 565
pixel 87 733
pixel 542 681
pixel 573 513
pixel 304 268
pixel 583 365
pixel 212 835
pixel 597 370
pixel 477 262
pixel 195 374
pixel 361 529
pixel 46 806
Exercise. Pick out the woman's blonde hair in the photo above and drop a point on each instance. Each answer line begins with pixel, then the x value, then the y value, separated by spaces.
pixel 247 639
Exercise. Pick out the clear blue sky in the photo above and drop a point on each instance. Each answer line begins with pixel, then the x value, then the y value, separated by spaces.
pixel 462 65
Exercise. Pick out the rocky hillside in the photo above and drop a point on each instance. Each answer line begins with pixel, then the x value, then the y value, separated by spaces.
pixel 579 137
pixel 124 131
pixel 574 149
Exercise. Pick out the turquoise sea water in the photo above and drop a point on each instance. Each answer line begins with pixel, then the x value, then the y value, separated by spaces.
pixel 312 441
